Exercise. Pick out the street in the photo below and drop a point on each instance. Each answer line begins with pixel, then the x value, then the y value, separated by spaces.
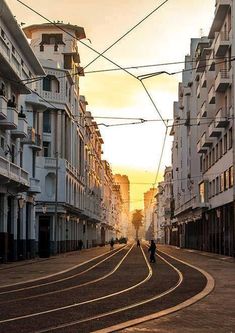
pixel 117 287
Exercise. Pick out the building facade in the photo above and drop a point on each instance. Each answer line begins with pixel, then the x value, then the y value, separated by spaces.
pixel 204 204
pixel 18 65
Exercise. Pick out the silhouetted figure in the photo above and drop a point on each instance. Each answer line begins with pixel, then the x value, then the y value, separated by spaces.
pixel 80 244
pixel 111 244
pixel 152 250
pixel 138 243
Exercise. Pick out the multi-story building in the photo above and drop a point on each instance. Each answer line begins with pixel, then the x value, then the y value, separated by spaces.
pixel 205 217
pixel 68 166
pixel 106 205
pixel 149 212
pixel 18 64
pixel 165 208
pixel 124 183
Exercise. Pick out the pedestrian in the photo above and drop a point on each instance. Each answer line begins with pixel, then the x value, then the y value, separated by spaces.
pixel 111 244
pixel 152 250
pixel 80 244
pixel 138 243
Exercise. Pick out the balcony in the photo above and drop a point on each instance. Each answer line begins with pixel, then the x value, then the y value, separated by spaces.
pixel 221 118
pixel 34 186
pixel 33 99
pixel 3 107
pixel 222 7
pixel 222 43
pixel 213 132
pixel 33 140
pixel 203 80
pixel 211 95
pixel 222 80
pixel 10 172
pixel 11 121
pixel 203 109
pixel 198 91
pixel 201 149
pixel 198 118
pixel 205 141
pixel 22 129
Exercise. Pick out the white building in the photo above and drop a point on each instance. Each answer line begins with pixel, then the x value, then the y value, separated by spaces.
pixel 68 165
pixel 203 175
pixel 17 218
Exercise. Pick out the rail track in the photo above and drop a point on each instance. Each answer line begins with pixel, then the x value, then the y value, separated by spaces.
pixel 125 287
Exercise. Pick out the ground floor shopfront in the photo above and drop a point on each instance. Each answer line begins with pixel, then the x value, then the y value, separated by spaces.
pixel 213 232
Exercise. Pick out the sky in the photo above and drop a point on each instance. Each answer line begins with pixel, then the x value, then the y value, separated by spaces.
pixel 163 37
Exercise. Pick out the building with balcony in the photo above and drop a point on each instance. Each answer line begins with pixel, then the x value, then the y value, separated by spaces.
pixel 204 209
pixel 66 143
pixel 17 216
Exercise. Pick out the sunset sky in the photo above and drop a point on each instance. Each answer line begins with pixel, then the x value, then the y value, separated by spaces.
pixel 164 37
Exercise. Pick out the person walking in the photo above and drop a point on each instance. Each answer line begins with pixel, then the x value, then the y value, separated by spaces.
pixel 138 243
pixel 152 250
pixel 111 244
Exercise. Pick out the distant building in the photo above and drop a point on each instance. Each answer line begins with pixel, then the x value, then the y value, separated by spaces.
pixel 123 182
pixel 149 213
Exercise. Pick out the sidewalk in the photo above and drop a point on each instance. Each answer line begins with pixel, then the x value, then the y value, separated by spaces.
pixel 22 271
pixel 214 313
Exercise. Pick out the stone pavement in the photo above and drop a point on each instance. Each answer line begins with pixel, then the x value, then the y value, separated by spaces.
pixel 21 271
pixel 213 314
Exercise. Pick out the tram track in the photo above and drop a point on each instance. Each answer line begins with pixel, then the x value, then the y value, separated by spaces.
pixel 30 284
pixel 73 287
pixel 94 313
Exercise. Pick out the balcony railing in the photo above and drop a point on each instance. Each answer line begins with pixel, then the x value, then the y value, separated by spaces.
pixel 211 95
pixel 213 131
pixel 13 172
pixel 222 43
pixel 3 107
pixel 22 129
pixel 221 118
pixel 11 121
pixel 222 80
pixel 33 139
pixel 203 109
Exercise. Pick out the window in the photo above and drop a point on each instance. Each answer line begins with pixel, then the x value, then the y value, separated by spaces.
pixel 230 138
pixel 51 39
pixel 46 86
pixel 12 152
pixel 226 179
pixel 46 149
pixel 217 185
pixel 222 182
pixel 225 143
pixel 213 156
pixel 46 122
pixel 2 142
pixel 202 192
pixel 216 152
pixel 231 177
pixel 220 148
